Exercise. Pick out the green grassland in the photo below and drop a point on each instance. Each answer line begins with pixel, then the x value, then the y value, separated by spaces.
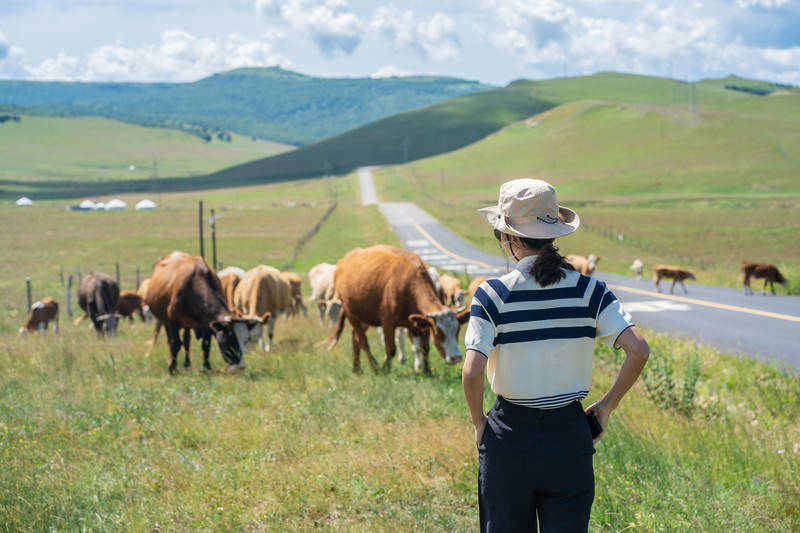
pixel 39 151
pixel 705 190
pixel 96 436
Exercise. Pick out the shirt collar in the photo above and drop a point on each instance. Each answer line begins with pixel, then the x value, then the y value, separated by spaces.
pixel 526 263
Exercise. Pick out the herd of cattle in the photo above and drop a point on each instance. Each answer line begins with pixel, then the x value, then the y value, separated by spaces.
pixel 381 286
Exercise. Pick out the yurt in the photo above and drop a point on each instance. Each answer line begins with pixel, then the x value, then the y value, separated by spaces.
pixel 145 205
pixel 24 201
pixel 116 205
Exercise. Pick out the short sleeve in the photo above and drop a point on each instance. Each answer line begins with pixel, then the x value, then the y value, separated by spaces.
pixel 612 319
pixel 480 330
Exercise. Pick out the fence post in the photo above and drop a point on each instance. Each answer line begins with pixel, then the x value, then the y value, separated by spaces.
pixel 28 290
pixel 137 276
pixel 213 239
pixel 61 274
pixel 200 223
pixel 69 296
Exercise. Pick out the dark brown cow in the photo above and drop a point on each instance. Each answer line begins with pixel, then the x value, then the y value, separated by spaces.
pixel 184 292
pixel 98 295
pixel 389 287
pixel 766 271
pixel 676 274
pixel 42 313
pixel 130 303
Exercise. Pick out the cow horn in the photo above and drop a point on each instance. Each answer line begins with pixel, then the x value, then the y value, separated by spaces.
pixel 459 309
pixel 226 319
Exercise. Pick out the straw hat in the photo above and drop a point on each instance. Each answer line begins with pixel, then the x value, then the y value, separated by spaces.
pixel 529 208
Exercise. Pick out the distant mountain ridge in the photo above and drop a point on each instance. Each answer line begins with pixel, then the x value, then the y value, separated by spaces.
pixel 270 103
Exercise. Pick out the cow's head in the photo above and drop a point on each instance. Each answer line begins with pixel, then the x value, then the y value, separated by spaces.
pixel 108 323
pixel 592 259
pixel 691 276
pixel 332 309
pixel 443 326
pixel 233 332
pixel 459 297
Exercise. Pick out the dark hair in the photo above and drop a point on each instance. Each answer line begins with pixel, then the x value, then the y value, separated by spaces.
pixel 547 269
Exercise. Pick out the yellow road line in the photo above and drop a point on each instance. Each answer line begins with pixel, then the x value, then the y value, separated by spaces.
pixel 448 252
pixel 706 303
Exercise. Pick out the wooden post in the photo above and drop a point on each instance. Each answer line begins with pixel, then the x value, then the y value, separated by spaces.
pixel 69 296
pixel 213 239
pixel 200 224
pixel 28 289
pixel 117 267
pixel 137 277
pixel 61 274
pixel 79 274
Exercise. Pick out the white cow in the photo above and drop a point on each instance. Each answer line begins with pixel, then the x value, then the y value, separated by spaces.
pixel 637 267
pixel 323 293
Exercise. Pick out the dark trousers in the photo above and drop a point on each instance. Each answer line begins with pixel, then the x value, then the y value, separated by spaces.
pixel 535 465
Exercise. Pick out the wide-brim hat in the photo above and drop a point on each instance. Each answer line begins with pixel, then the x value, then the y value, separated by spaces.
pixel 529 208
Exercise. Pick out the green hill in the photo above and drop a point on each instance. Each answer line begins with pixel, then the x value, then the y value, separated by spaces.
pixel 269 103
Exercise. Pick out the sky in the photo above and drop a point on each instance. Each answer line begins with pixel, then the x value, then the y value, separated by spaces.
pixel 493 41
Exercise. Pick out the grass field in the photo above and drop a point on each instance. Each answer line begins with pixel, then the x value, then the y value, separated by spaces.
pixel 96 436
pixel 704 190
pixel 46 150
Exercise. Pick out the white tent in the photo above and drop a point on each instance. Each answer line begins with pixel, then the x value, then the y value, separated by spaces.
pixel 24 201
pixel 100 206
pixel 88 204
pixel 145 205
pixel 116 205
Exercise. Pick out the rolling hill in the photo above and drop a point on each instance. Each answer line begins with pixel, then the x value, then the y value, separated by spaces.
pixel 268 103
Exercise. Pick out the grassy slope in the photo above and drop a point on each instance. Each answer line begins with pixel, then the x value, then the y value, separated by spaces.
pixel 706 190
pixel 96 435
pixel 48 149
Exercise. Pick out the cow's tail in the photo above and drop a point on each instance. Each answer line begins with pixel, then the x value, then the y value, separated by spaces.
pixel 79 320
pixel 337 331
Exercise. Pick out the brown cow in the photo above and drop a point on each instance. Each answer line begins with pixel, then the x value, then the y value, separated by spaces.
pixel 473 286
pixel 41 314
pixel 229 278
pixel 184 292
pixel 766 271
pixel 296 293
pixel 97 296
pixel 263 290
pixel 584 265
pixel 452 293
pixel 389 287
pixel 676 274
pixel 129 303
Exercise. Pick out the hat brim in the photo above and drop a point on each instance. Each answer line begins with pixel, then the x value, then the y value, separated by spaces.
pixel 568 222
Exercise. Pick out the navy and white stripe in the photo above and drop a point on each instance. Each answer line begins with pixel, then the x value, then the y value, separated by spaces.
pixel 540 341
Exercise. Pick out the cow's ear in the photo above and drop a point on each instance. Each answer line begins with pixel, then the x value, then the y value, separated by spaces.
pixel 420 322
pixel 265 317
pixel 463 316
pixel 216 326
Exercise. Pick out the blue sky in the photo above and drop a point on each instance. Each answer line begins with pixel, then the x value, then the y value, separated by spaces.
pixel 495 41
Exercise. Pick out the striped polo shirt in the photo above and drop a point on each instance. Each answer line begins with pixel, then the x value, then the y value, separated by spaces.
pixel 540 340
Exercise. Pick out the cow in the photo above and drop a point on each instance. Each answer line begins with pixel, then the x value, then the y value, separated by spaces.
pixel 637 268
pixel 98 295
pixel 453 294
pixel 296 293
pixel 766 271
pixel 230 277
pixel 584 265
pixel 389 287
pixel 473 286
pixel 41 314
pixel 184 292
pixel 320 277
pixel 677 274
pixel 142 292
pixel 130 303
pixel 263 290
pixel 434 274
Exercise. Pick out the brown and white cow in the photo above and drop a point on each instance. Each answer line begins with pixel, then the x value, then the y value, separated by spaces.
pixel 676 274
pixel 296 293
pixel 229 278
pixel 389 287
pixel 98 295
pixel 130 303
pixel 320 277
pixel 263 291
pixel 185 293
pixel 766 271
pixel 583 264
pixel 452 293
pixel 41 314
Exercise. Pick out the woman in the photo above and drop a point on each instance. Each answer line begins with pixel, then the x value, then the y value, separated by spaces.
pixel 536 327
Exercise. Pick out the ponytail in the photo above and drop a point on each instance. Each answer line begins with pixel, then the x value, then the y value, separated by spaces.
pixel 549 265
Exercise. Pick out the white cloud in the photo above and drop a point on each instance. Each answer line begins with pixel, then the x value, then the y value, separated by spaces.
pixel 389 71
pixel 10 59
pixel 179 57
pixel 329 23
pixel 769 4
pixel 435 38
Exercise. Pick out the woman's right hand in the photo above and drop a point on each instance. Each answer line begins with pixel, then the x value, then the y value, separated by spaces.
pixel 480 427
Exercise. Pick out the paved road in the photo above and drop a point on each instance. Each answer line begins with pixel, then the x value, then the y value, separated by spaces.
pixel 764 327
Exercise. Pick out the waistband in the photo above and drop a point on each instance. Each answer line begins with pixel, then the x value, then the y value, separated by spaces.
pixel 568 411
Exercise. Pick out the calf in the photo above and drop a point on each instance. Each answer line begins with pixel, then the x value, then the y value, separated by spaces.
pixel 766 271
pixel 41 314
pixel 129 303
pixel 263 292
pixel 677 274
